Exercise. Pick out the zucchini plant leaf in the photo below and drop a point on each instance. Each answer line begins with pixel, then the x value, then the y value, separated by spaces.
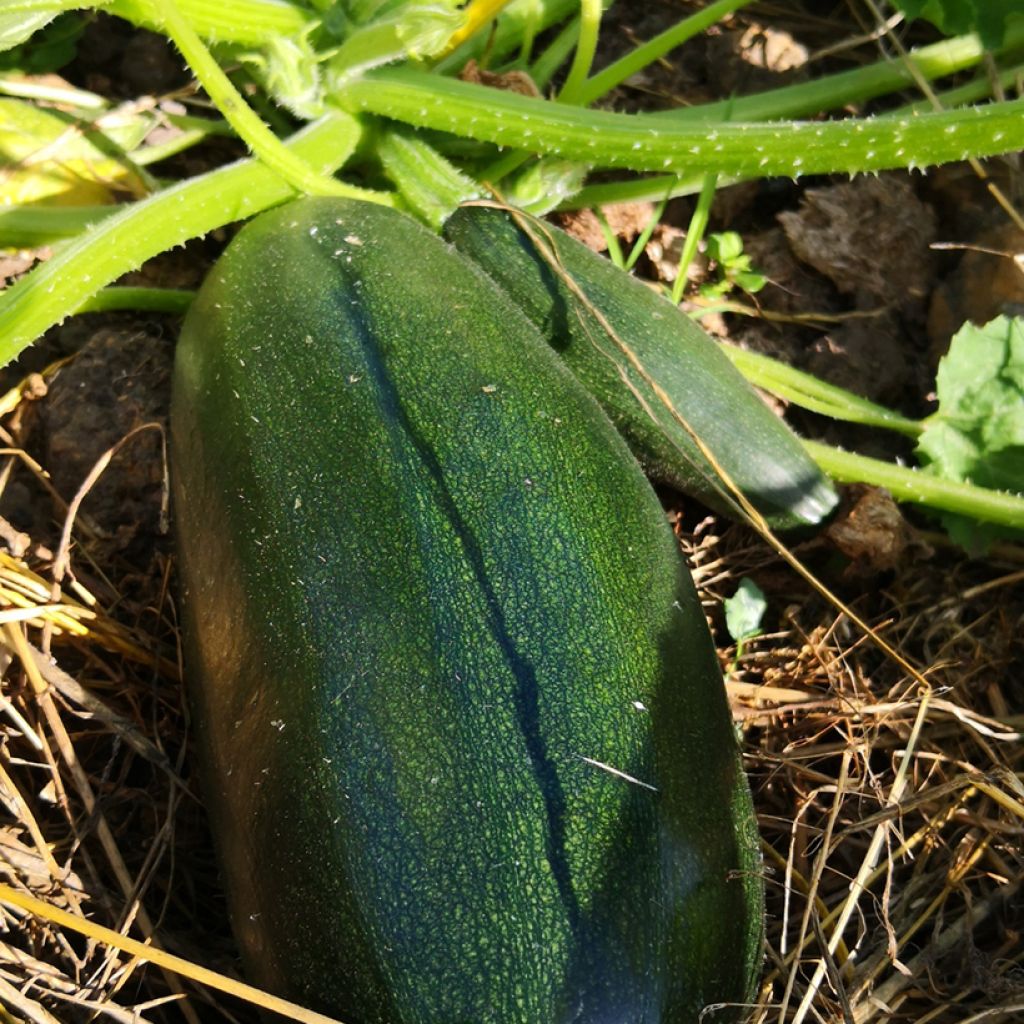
pixel 53 46
pixel 18 26
pixel 977 434
pixel 15 29
pixel 955 17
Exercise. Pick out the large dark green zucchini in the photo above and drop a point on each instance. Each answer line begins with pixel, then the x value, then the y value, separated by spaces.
pixel 467 752
pixel 758 451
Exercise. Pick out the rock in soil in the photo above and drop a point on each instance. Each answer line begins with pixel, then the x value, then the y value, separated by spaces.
pixel 869 236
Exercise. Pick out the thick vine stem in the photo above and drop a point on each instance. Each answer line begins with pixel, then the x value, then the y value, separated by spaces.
pixel 651 142
pixel 919 487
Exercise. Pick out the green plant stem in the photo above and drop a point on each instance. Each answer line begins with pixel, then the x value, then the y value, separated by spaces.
pixel 149 300
pixel 546 66
pixel 611 241
pixel 496 172
pixel 80 102
pixel 650 142
pixel 808 98
pixel 645 236
pixel 694 233
pixel 429 185
pixel 127 238
pixel 654 188
pixel 260 139
pixel 636 60
pixel 971 92
pixel 651 189
pixel 586 47
pixel 918 487
pixel 808 392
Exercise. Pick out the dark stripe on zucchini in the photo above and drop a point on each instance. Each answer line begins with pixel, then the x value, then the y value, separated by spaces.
pixel 755 448
pixel 467 755
pixel 525 693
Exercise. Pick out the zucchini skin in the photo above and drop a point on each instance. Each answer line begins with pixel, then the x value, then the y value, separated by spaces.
pixel 756 448
pixel 431 607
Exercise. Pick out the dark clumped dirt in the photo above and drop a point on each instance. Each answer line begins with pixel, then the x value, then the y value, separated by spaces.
pixel 112 398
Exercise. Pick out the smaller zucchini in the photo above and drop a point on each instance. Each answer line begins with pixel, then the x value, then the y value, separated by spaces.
pixel 590 312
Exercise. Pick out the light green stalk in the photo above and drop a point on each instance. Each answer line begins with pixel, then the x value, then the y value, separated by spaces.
pixel 918 487
pixel 808 392
pixel 636 60
pixel 586 47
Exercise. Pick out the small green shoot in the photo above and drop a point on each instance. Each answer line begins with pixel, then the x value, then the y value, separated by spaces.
pixel 611 240
pixel 732 267
pixel 744 612
pixel 640 245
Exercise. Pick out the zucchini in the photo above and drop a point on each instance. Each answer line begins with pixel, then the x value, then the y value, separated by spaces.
pixel 467 755
pixel 532 260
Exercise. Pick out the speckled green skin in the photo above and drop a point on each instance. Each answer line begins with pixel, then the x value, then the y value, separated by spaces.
pixel 423 583
pixel 752 444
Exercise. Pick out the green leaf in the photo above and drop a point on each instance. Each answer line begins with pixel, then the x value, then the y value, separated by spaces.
pixel 18 26
pixel 53 41
pixel 745 610
pixel 977 434
pixel 15 29
pixel 715 289
pixel 52 157
pixel 749 280
pixel 724 246
pixel 955 17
